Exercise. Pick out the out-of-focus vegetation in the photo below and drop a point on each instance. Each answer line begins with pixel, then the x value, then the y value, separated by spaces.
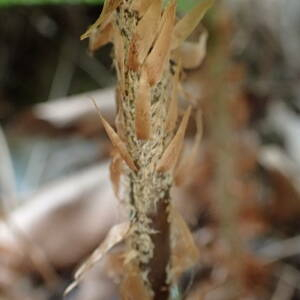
pixel 44 2
pixel 182 4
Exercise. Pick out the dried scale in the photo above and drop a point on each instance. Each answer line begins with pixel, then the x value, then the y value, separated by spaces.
pixel 149 135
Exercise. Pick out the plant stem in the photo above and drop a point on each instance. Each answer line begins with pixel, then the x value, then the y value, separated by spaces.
pixel 148 190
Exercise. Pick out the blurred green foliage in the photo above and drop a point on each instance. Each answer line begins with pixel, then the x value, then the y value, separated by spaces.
pixel 40 2
pixel 183 5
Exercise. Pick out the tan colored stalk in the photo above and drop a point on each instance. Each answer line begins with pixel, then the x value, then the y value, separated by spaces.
pixel 221 123
pixel 144 107
pixel 147 138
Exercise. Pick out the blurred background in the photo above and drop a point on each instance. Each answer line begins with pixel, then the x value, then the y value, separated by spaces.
pixel 56 198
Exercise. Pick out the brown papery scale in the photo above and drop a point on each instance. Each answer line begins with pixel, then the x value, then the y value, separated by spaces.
pixel 144 34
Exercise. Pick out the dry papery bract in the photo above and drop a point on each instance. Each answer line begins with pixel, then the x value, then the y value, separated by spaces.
pixel 116 141
pixel 173 105
pixel 172 152
pixel 145 33
pixel 98 39
pixel 115 169
pixel 189 22
pixel 149 140
pixel 143 109
pixel 185 254
pixel 182 172
pixel 116 234
pixel 156 61
pixel 192 53
pixel 107 11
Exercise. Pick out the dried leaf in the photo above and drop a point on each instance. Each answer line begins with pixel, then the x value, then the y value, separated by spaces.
pixel 143 109
pixel 182 173
pixel 145 34
pixel 173 106
pixel 185 253
pixel 172 114
pixel 132 286
pixel 108 9
pixel 156 61
pixel 115 172
pixel 189 22
pixel 191 54
pixel 171 154
pixel 116 141
pixel 100 38
pixel 116 235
